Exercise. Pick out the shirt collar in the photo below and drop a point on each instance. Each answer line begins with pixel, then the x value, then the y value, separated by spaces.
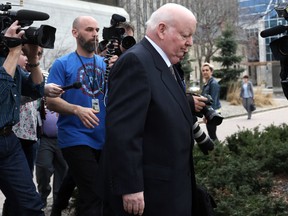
pixel 160 51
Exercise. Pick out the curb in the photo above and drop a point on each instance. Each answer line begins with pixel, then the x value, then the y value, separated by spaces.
pixel 257 111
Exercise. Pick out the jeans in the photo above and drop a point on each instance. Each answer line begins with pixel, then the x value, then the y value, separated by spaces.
pixel 49 161
pixel 83 163
pixel 16 180
pixel 30 148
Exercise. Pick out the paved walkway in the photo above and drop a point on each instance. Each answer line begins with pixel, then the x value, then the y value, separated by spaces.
pixel 235 119
pixel 230 111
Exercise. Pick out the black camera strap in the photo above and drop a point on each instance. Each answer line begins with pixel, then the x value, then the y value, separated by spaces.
pixel 11 42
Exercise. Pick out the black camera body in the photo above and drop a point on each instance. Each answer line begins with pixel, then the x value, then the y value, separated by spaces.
pixel 116 33
pixel 43 36
pixel 210 114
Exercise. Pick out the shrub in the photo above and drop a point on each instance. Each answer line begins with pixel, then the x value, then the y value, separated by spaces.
pixel 240 173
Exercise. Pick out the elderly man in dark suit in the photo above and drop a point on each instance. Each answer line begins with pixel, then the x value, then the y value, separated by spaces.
pixel 148 151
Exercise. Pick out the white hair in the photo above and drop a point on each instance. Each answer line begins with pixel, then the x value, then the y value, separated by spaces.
pixel 162 15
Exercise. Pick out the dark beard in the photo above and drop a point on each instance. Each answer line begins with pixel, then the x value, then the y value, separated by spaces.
pixel 89 46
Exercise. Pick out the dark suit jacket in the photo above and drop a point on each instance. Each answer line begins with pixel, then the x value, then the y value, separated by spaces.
pixel 149 137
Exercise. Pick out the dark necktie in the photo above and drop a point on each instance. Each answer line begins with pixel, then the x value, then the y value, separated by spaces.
pixel 173 72
pixel 182 85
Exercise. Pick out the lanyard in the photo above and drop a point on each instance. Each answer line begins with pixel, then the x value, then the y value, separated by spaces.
pixel 91 82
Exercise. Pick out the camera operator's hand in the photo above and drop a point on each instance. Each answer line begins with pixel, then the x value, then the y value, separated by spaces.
pixel 199 102
pixel 11 60
pixel 31 51
pixel 12 31
pixel 112 60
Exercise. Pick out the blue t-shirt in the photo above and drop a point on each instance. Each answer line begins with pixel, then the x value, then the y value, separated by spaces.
pixel 67 70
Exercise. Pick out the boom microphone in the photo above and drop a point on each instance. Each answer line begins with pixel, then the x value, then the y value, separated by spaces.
pixel 25 15
pixel 274 31
pixel 75 85
pixel 116 18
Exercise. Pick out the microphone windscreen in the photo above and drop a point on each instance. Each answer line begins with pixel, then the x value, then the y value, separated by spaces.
pixel 30 15
pixel 273 31
pixel 77 85
pixel 118 18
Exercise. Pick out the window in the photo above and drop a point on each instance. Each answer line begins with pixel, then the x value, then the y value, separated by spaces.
pixel 107 2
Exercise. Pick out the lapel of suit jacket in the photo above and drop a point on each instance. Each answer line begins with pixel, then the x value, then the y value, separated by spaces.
pixel 169 81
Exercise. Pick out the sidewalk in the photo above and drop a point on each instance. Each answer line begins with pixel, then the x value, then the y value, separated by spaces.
pixel 230 111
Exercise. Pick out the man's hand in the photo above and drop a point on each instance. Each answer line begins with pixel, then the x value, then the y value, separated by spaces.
pixel 12 31
pixel 199 102
pixel 87 116
pixel 10 62
pixel 31 51
pixel 53 90
pixel 134 203
pixel 112 60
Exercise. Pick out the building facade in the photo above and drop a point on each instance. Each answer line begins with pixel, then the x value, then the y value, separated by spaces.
pixel 257 16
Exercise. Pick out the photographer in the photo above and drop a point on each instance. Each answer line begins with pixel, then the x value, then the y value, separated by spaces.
pixel 196 103
pixel 212 88
pixel 117 45
pixel 15 178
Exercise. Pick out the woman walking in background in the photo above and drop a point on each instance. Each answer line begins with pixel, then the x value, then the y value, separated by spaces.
pixel 247 95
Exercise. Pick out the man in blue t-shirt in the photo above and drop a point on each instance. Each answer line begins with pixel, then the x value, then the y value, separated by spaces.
pixel 81 123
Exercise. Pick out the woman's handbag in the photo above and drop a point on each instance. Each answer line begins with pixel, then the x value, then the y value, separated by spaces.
pixel 252 107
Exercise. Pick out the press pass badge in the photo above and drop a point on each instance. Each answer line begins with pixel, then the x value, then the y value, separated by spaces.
pixel 95 105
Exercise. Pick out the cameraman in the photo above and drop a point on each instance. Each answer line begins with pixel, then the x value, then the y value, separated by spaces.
pixel 15 178
pixel 212 88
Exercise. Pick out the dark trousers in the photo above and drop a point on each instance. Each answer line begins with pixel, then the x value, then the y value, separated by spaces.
pixel 49 161
pixel 83 164
pixel 247 105
pixel 65 192
pixel 16 180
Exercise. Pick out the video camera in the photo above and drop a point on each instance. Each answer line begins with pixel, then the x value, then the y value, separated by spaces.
pixel 43 36
pixel 116 33
pixel 279 47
